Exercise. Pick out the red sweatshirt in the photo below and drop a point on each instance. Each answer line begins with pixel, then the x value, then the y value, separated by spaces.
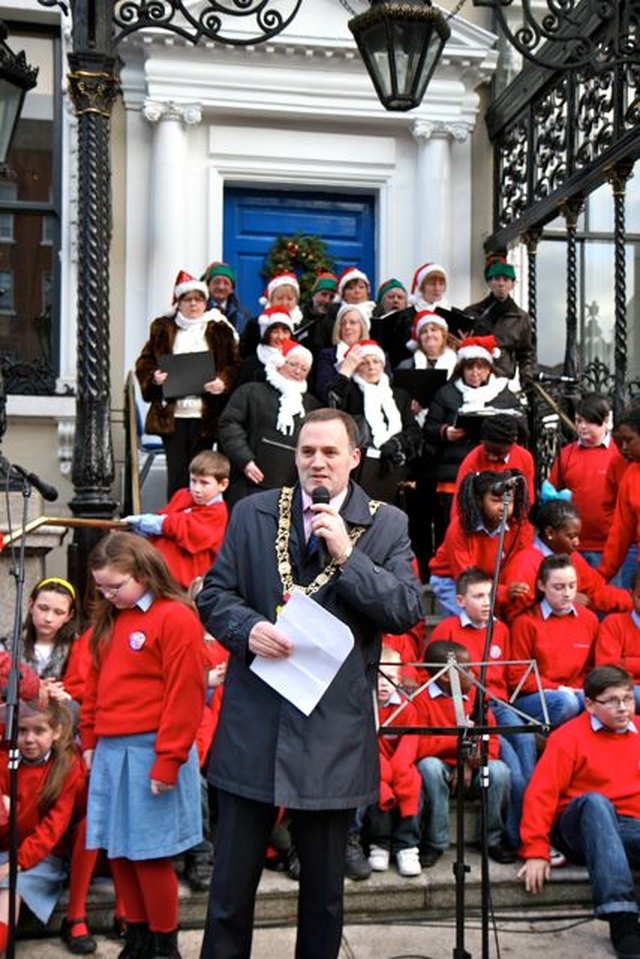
pixel 602 597
pixel 191 536
pixel 439 712
pixel 39 836
pixel 458 551
pixel 618 644
pixel 615 471
pixel 577 760
pixel 473 639
pixel 583 470
pixel 563 647
pixel 625 529
pixel 150 679
pixel 400 781
pixel 477 461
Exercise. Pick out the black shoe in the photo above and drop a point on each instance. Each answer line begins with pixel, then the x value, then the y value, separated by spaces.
pixel 293 865
pixel 429 856
pixel 165 945
pixel 138 942
pixel 625 935
pixel 502 853
pixel 81 945
pixel 118 927
pixel 197 873
pixel 357 864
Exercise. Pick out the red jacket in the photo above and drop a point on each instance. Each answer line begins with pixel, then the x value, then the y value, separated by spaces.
pixel 577 760
pixel 615 471
pixel 618 644
pixel 563 647
pixel 583 470
pixel 625 528
pixel 191 536
pixel 473 639
pixel 150 678
pixel 400 781
pixel 602 597
pixel 439 712
pixel 39 836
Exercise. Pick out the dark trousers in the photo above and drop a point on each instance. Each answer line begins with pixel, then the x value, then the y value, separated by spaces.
pixel 244 827
pixel 180 447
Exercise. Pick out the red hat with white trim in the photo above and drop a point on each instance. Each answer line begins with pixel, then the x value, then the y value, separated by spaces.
pixel 290 349
pixel 422 319
pixel 281 279
pixel 368 348
pixel 479 348
pixel 185 283
pixel 349 274
pixel 421 274
pixel 272 315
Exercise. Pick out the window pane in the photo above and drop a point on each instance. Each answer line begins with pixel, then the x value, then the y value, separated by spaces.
pixel 26 267
pixel 551 271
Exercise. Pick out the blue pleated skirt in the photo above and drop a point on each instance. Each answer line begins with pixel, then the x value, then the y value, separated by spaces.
pixel 41 886
pixel 124 817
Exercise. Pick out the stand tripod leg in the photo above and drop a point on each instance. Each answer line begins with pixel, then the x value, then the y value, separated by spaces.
pixel 460 868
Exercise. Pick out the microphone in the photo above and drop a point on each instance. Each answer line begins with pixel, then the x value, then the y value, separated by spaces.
pixel 506 485
pixel 552 378
pixel 321 495
pixel 50 493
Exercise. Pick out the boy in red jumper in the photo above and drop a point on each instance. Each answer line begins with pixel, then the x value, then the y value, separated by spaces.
pixel 584 797
pixel 394 825
pixel 618 640
pixel 189 530
pixel 498 451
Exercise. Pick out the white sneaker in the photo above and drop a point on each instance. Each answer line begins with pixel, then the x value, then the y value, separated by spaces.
pixel 408 862
pixel 556 858
pixel 378 858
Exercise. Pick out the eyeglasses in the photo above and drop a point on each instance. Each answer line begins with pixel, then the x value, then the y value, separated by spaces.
pixel 110 592
pixel 617 702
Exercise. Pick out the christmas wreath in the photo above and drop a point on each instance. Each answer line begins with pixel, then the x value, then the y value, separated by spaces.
pixel 306 256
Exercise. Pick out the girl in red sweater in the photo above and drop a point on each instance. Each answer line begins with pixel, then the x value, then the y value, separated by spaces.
pixel 142 708
pixel 559 635
pixel 472 537
pixel 50 789
pixel 624 531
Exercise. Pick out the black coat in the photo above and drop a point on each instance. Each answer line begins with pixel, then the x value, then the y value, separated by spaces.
pixel 265 748
pixel 511 326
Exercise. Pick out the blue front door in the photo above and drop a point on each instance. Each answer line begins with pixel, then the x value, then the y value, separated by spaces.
pixel 254 218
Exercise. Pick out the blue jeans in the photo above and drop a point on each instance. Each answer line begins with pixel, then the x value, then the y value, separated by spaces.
pixel 626 572
pixel 561 705
pixel 436 781
pixel 591 832
pixel 389 830
pixel 519 753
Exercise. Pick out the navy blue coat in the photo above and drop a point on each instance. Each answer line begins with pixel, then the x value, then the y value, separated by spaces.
pixel 265 748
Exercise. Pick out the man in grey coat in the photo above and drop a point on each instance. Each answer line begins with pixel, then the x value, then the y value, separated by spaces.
pixel 267 754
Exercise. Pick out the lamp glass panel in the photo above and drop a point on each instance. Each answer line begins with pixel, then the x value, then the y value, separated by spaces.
pixel 408 42
pixel 374 40
pixel 11 97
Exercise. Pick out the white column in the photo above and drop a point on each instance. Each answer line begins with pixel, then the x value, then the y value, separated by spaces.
pixel 434 189
pixel 168 208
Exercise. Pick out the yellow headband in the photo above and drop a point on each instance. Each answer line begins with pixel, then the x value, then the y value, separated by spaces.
pixel 59 582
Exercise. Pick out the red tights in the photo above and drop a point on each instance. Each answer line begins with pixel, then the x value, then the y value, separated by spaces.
pixel 149 890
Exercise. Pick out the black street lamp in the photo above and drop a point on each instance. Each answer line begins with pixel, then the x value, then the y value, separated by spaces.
pixel 16 78
pixel 401 42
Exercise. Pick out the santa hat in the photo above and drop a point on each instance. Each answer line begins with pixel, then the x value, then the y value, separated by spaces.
pixel 422 273
pixel 369 348
pixel 386 287
pixel 291 348
pixel 479 348
pixel 421 319
pixel 364 309
pixel 282 279
pixel 325 281
pixel 185 283
pixel 218 268
pixel 349 274
pixel 498 266
pixel 272 315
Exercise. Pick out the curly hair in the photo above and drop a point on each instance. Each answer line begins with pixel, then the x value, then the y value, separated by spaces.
pixel 474 488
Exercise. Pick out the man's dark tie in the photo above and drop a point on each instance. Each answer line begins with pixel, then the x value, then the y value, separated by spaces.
pixel 312 545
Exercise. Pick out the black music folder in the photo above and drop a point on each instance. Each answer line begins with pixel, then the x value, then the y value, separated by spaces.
pixel 188 372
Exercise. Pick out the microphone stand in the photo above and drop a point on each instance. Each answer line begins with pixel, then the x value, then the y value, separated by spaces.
pixel 12 716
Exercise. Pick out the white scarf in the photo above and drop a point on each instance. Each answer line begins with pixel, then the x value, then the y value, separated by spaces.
pixel 211 316
pixel 446 361
pixel 422 305
pixel 475 398
pixel 266 353
pixel 380 410
pixel 291 393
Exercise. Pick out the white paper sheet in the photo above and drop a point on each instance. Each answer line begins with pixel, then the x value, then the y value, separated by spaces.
pixel 321 643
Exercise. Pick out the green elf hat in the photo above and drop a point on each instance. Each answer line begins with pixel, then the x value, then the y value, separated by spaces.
pixel 325 281
pixel 388 285
pixel 498 266
pixel 217 268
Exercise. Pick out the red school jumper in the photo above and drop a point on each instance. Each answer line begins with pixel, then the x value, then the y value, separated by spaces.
pixel 191 536
pixel 618 644
pixel 583 470
pixel 477 461
pixel 473 639
pixel 625 528
pixel 563 647
pixel 577 760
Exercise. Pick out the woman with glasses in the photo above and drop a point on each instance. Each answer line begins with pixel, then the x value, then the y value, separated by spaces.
pixel 186 416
